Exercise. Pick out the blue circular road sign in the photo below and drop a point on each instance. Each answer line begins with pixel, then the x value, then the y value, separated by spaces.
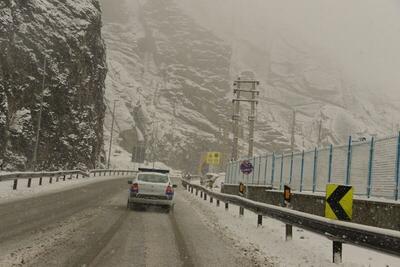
pixel 246 167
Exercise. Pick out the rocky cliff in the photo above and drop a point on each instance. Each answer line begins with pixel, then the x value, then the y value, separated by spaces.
pixel 170 77
pixel 52 57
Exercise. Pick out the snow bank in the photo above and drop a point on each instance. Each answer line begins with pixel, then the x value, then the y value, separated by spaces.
pixel 268 241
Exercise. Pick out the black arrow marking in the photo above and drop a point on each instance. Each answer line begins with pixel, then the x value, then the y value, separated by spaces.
pixel 333 201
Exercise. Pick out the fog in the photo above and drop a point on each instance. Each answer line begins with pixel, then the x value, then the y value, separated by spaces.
pixel 360 38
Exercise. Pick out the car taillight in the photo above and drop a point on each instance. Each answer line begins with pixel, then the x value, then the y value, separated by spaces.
pixel 169 190
pixel 135 188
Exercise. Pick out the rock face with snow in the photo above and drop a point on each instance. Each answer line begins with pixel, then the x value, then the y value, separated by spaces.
pixel 171 78
pixel 67 35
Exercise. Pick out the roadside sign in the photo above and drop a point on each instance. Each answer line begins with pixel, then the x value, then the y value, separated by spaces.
pixel 339 202
pixel 204 168
pixel 213 158
pixel 242 188
pixel 286 194
pixel 246 167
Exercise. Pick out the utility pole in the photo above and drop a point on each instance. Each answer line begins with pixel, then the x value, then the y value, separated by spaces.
pixel 252 117
pixel 235 118
pixel 319 133
pixel 155 141
pixel 111 136
pixel 292 139
pixel 236 110
pixel 40 116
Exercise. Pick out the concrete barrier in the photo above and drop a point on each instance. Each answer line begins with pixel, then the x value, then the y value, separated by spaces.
pixel 365 211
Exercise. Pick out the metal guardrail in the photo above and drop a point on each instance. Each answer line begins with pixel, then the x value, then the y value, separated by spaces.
pixel 57 175
pixel 383 240
pixel 112 172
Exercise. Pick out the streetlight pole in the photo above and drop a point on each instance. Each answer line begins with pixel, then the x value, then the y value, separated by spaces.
pixel 39 116
pixel 111 136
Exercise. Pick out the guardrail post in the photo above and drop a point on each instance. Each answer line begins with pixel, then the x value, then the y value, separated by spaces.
pixel 314 186
pixel 217 202
pixel 77 175
pixel 348 172
pixel 211 199
pixel 197 192
pixel 64 177
pixel 337 251
pixel 51 179
pixel 259 220
pixel 281 178
pixel 396 194
pixel 110 173
pixel 288 232
pixel 241 211
pixel 226 205
pixel 29 182
pixel 302 171
pixel 370 165
pixel 291 169
pixel 15 184
pixel 273 168
pixel 330 164
pixel 41 180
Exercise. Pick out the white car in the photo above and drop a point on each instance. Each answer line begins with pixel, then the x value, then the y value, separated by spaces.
pixel 151 187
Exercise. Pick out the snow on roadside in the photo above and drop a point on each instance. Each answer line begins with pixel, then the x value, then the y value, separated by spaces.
pixel 306 248
pixel 7 194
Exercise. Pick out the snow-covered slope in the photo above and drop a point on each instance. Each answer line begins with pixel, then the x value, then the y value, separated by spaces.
pixel 170 78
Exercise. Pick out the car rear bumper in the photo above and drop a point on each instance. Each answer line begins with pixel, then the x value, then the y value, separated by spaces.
pixel 151 200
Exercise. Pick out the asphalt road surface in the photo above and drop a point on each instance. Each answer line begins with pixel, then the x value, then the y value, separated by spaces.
pixel 91 226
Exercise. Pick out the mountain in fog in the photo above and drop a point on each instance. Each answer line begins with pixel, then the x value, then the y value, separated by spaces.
pixel 170 77
pixel 68 33
pixel 172 70
pixel 331 66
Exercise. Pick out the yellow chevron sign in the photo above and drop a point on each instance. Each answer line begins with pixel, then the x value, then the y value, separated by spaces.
pixel 339 202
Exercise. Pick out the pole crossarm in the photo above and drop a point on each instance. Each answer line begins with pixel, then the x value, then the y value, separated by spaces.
pixel 244 90
pixel 245 100
pixel 246 81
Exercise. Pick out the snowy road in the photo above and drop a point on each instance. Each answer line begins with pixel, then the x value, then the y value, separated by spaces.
pixel 90 226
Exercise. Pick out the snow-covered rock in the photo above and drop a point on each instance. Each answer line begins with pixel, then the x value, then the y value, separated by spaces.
pixel 68 34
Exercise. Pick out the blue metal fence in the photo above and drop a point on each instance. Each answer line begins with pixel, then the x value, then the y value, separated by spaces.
pixel 371 167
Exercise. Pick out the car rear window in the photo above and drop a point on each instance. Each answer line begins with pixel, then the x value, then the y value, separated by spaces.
pixel 153 178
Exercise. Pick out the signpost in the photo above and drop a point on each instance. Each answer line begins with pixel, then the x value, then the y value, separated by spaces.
pixel 286 194
pixel 339 202
pixel 242 189
pixel 338 206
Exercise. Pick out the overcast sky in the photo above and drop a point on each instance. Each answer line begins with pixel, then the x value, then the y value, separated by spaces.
pixel 362 37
